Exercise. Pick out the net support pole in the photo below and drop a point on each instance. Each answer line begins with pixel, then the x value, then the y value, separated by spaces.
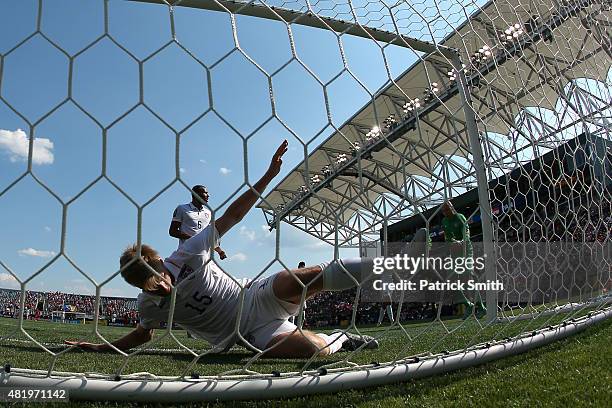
pixel 483 186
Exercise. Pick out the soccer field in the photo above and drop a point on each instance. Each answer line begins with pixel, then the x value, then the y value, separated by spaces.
pixel 406 204
pixel 164 356
pixel 572 372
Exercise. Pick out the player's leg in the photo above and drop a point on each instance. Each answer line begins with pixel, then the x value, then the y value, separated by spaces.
pixel 390 312
pixel 268 327
pixel 336 275
pixel 381 315
pixel 468 307
pixel 273 304
pixel 477 306
pixel 298 344
pixel 464 301
pixel 304 344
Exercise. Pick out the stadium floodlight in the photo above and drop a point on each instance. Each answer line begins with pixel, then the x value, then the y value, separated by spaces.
pixel 503 116
pixel 341 158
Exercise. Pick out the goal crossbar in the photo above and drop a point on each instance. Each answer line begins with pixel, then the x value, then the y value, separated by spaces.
pixel 311 19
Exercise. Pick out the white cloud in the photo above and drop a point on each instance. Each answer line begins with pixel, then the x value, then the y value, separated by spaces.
pixel 182 170
pixel 36 253
pixel 47 228
pixel 8 281
pixel 7 277
pixel 16 145
pixel 248 233
pixel 238 256
pixel 224 171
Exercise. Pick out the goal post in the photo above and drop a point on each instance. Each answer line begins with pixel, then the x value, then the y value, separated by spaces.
pixel 453 131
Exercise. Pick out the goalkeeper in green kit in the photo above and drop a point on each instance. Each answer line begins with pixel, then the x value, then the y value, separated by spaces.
pixel 457 233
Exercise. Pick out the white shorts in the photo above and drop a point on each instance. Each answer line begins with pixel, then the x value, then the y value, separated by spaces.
pixel 264 315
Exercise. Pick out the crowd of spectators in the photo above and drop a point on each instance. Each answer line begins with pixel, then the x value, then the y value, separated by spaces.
pixel 335 309
pixel 568 221
pixel 567 268
pixel 42 305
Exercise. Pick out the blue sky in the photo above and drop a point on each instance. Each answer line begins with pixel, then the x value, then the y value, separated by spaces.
pixel 140 147
pixel 214 105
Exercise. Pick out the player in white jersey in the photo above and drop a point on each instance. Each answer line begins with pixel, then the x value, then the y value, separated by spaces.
pixel 209 303
pixel 191 218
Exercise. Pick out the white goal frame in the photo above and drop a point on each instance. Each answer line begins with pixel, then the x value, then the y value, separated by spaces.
pixel 159 389
pixel 461 113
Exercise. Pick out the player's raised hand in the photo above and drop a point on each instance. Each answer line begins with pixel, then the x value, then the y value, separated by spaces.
pixel 222 254
pixel 277 159
pixel 241 206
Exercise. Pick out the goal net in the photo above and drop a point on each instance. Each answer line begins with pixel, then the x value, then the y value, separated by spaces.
pixel 452 129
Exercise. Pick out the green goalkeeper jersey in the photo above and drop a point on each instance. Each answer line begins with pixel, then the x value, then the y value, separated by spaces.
pixel 456 228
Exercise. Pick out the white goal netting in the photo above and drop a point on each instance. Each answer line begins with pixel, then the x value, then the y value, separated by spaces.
pixel 111 110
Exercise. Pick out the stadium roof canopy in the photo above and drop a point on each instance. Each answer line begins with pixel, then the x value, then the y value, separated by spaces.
pixel 367 173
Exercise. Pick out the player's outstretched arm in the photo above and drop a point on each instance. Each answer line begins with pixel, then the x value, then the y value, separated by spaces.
pixel 135 338
pixel 239 208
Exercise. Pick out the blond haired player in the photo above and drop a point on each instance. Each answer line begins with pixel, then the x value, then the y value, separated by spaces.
pixel 208 301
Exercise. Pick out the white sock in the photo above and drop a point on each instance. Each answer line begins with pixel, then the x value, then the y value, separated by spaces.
pixel 333 341
pixel 341 274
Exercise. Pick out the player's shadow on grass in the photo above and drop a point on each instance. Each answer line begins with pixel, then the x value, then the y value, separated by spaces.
pixel 240 357
pixel 237 356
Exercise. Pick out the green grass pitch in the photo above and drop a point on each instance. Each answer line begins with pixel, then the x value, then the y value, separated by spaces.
pixel 571 372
